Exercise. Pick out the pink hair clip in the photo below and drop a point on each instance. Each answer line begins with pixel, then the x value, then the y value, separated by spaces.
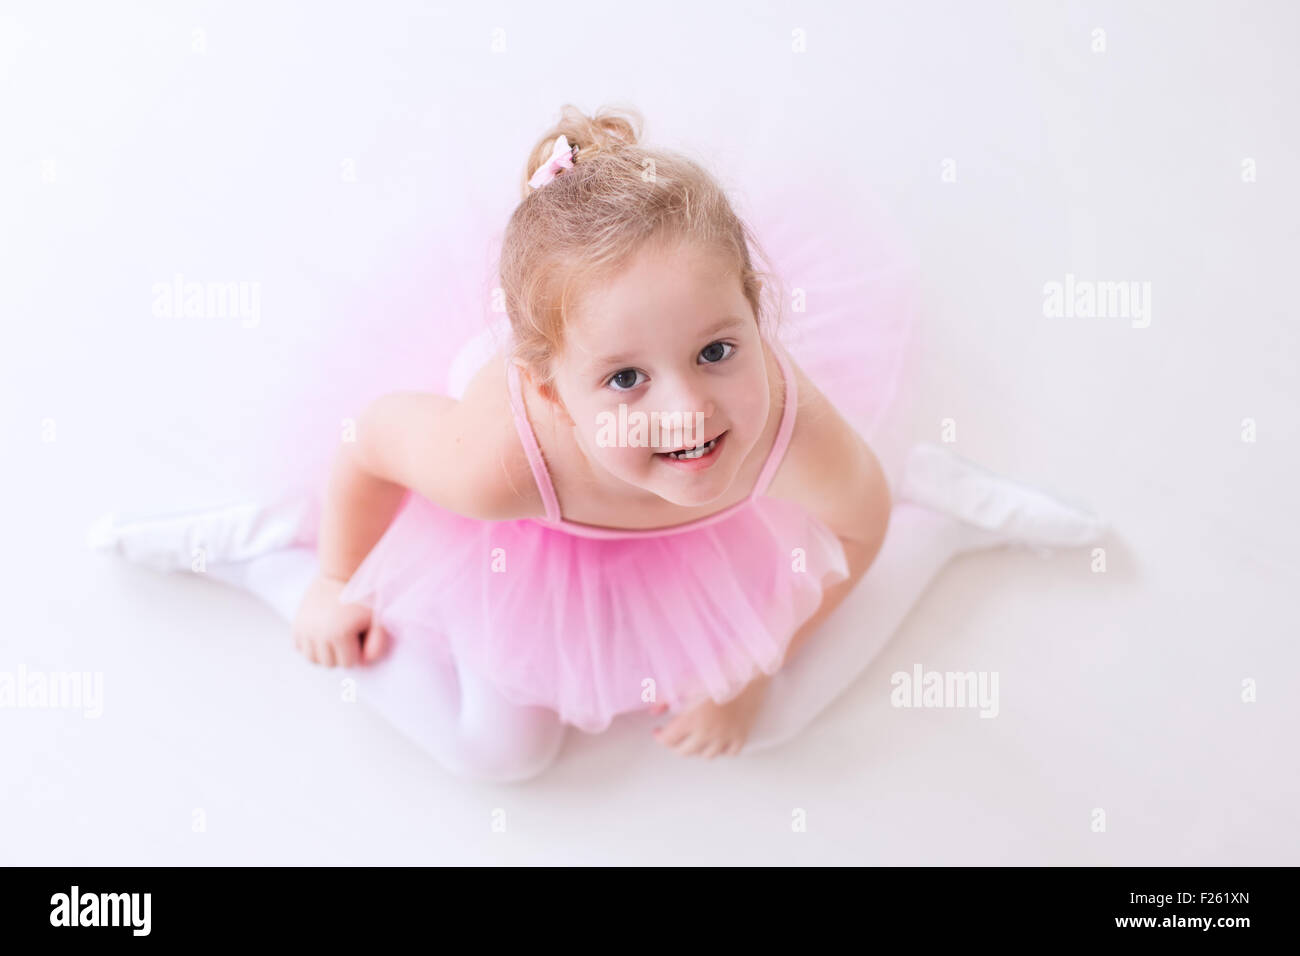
pixel 562 157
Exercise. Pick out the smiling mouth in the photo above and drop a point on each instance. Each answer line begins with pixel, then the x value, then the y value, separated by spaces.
pixel 683 454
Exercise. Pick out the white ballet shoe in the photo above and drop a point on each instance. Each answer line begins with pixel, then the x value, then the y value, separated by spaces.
pixel 220 535
pixel 938 478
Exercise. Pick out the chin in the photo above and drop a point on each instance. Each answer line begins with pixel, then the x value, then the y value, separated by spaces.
pixel 673 497
pixel 692 494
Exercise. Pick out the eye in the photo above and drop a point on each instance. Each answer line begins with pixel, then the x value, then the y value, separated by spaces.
pixel 624 380
pixel 712 353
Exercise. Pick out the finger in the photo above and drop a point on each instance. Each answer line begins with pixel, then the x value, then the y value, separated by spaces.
pixel 690 745
pixel 712 749
pixel 327 653
pixel 357 618
pixel 347 649
pixel 376 642
pixel 312 653
pixel 672 734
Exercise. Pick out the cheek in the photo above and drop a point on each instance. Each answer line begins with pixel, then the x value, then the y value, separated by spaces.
pixel 749 408
pixel 619 459
pixel 630 464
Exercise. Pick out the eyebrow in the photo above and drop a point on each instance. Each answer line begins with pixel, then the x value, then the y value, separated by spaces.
pixel 719 326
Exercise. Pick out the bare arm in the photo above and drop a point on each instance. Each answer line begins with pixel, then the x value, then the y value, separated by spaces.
pixel 454 453
pixel 861 532
pixel 461 455
pixel 836 476
pixel 369 480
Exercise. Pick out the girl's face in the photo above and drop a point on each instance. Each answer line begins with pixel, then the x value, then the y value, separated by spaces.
pixel 674 341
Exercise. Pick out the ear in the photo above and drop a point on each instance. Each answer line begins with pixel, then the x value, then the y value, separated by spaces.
pixel 547 391
pixel 526 373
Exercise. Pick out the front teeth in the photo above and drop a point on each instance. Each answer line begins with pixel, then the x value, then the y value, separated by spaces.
pixel 696 453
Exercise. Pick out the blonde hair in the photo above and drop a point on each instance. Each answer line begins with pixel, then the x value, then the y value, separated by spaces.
pixel 587 223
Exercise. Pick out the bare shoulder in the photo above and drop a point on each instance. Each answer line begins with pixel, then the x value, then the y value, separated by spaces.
pixel 509 490
pixel 832 471
pixel 463 455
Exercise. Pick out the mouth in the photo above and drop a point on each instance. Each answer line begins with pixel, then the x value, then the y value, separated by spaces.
pixel 706 452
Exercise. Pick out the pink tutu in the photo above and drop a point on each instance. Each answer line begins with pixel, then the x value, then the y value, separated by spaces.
pixel 595 625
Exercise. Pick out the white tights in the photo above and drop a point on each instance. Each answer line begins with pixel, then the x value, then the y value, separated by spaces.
pixel 448 710
pixel 471 730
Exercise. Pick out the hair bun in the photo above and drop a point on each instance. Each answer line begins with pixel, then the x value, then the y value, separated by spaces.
pixel 610 129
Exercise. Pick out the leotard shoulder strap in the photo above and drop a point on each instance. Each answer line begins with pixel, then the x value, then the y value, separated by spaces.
pixel 534 452
pixel 785 430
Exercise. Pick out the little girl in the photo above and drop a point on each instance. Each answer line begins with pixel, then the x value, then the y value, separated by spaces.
pixel 502 561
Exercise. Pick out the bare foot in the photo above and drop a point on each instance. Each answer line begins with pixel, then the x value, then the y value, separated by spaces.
pixel 709 729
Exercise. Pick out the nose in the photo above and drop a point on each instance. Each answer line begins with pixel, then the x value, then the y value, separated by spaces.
pixel 689 395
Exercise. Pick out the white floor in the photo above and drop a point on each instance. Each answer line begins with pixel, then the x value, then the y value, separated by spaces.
pixel 215 142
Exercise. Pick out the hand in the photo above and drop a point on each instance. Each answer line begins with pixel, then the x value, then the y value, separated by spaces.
pixel 710 729
pixel 329 632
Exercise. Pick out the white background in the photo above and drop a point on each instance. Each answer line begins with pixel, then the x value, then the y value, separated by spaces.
pixel 128 155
